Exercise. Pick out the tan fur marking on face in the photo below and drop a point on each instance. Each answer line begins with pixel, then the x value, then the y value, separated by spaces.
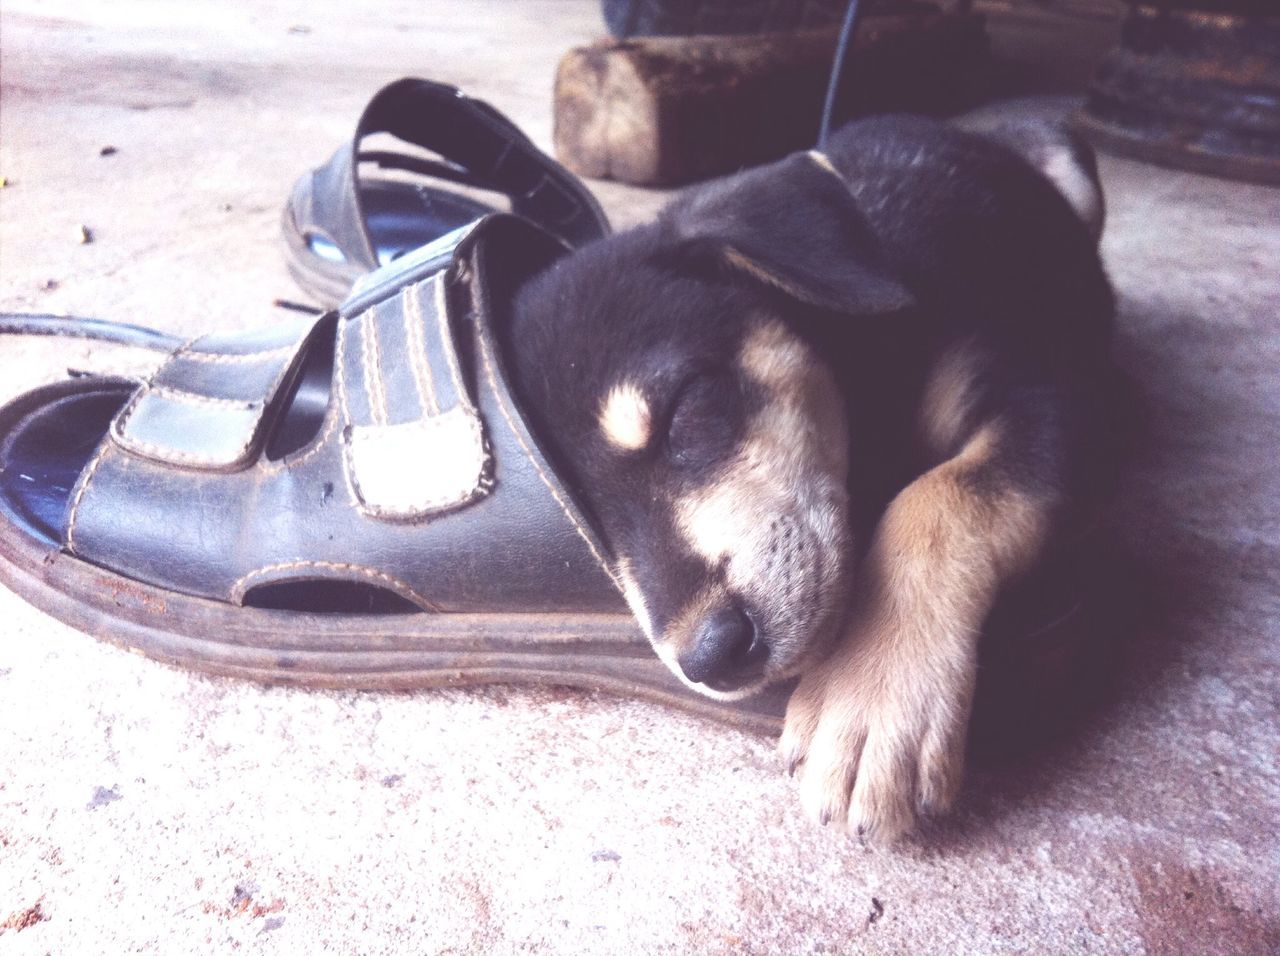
pixel 775 519
pixel 951 395
pixel 773 357
pixel 889 710
pixel 625 417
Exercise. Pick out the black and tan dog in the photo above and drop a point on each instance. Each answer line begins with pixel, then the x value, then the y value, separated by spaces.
pixel 824 411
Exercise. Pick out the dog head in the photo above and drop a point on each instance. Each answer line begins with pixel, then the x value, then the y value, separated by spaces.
pixel 667 372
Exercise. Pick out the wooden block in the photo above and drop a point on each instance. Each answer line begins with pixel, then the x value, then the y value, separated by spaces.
pixel 669 110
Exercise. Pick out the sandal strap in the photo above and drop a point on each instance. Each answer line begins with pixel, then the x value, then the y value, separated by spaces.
pixel 423 477
pixel 206 406
pixel 423 167
pixel 480 147
pixel 414 443
pixel 474 135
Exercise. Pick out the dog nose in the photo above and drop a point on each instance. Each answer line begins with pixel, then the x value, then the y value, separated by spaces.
pixel 726 647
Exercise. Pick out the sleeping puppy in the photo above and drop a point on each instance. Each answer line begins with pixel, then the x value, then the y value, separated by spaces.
pixel 823 413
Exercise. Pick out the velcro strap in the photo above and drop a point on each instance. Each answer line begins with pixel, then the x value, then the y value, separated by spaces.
pixel 414 444
pixel 206 406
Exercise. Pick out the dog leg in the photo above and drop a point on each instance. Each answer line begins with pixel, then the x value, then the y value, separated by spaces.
pixel 878 729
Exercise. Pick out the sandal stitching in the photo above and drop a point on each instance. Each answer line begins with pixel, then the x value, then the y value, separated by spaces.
pixel 568 512
pixel 124 413
pixel 430 509
pixel 168 455
pixel 189 349
pixel 348 465
pixel 117 424
pixel 446 341
pixel 417 348
pixel 103 447
pixel 484 481
pixel 248 358
pixel 371 356
pixel 173 455
pixel 195 398
pixel 87 476
pixel 401 350
pixel 240 587
pixel 285 368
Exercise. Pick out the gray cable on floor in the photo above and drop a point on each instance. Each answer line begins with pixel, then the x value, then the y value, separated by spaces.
pixel 77 327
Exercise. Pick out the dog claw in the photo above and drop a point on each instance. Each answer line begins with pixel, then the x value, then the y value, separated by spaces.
pixel 825 818
pixel 792 764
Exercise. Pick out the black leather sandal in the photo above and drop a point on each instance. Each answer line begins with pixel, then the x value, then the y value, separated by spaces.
pixel 286 506
pixel 365 208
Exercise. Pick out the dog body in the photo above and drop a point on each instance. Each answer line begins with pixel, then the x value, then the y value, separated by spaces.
pixel 823 412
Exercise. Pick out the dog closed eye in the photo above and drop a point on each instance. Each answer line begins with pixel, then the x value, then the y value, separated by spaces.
pixel 705 420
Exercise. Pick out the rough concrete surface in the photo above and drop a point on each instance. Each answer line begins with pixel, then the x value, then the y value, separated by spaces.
pixel 144 809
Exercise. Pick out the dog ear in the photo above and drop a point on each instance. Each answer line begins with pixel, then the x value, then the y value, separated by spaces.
pixel 793 226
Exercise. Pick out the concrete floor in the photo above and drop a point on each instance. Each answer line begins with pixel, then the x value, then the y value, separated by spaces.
pixel 143 809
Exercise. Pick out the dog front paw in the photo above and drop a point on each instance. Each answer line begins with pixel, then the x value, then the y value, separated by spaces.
pixel 877 734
